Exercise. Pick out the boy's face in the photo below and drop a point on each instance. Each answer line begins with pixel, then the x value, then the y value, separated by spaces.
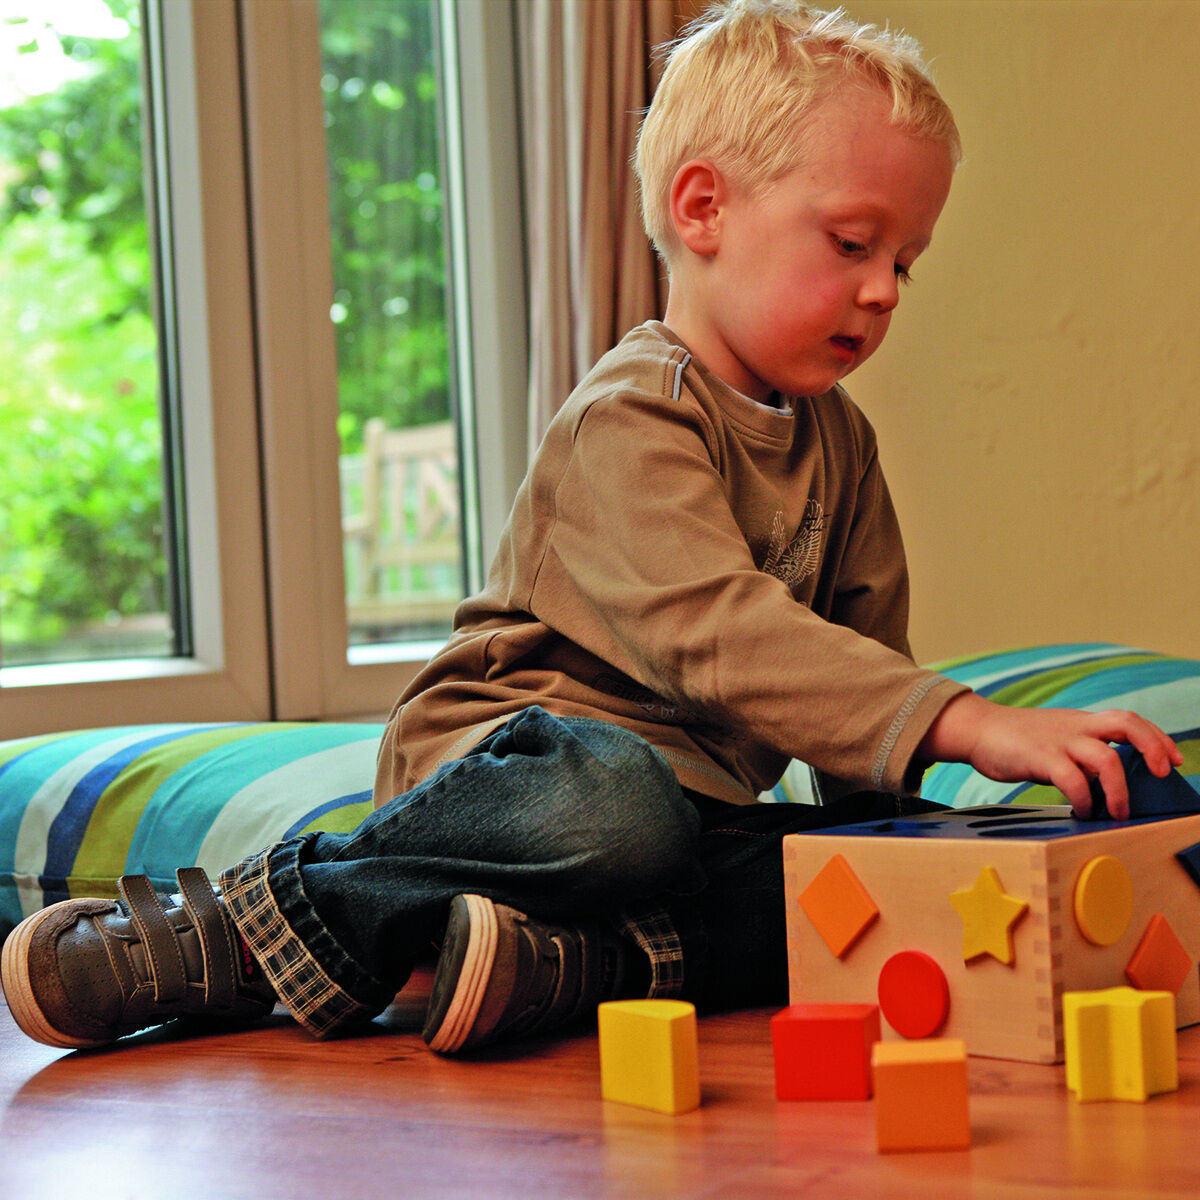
pixel 795 286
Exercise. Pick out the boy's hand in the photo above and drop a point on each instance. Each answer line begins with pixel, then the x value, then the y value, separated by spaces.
pixel 1059 746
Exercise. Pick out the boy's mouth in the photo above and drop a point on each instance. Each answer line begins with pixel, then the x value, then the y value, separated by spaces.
pixel 847 345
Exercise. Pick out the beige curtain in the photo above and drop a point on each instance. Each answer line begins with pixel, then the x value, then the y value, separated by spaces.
pixel 587 73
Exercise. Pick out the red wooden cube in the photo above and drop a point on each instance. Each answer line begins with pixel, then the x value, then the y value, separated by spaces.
pixel 823 1051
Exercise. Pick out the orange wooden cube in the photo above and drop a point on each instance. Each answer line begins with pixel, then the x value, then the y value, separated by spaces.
pixel 823 1051
pixel 921 1095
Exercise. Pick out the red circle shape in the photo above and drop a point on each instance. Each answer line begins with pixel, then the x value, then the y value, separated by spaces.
pixel 914 996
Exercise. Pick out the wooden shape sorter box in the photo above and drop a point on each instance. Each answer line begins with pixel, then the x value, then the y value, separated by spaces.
pixel 1015 905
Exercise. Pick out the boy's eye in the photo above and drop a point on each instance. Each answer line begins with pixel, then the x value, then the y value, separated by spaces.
pixel 852 249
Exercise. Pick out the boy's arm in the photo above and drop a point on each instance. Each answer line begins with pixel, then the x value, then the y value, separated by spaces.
pixel 1059 746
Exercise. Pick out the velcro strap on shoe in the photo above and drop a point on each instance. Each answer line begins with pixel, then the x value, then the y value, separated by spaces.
pixel 158 938
pixel 574 992
pixel 216 936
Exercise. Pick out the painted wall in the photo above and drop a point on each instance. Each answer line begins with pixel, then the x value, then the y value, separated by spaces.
pixel 1038 399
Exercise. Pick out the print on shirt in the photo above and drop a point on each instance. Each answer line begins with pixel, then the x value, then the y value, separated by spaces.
pixel 624 688
pixel 795 561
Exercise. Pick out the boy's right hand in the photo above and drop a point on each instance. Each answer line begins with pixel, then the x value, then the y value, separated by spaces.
pixel 1064 747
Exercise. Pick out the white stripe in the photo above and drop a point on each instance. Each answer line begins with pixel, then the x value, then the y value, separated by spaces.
pixel 1173 704
pixel 260 812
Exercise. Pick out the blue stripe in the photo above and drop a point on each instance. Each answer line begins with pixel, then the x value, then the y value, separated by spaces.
pixel 69 826
pixel 1098 662
pixel 942 783
pixel 25 774
pixel 330 806
pixel 1105 686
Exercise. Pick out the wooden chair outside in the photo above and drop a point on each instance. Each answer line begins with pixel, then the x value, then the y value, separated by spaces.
pixel 403 549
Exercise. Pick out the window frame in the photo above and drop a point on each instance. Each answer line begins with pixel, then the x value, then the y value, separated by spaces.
pixel 252 262
pixel 313 674
pixel 225 677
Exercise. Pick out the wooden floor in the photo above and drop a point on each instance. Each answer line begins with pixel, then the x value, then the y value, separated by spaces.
pixel 270 1113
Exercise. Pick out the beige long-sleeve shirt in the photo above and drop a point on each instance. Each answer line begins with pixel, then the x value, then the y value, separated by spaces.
pixel 726 580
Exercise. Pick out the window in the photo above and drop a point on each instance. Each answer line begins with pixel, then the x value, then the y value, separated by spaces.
pixel 399 471
pixel 305 330
pixel 86 406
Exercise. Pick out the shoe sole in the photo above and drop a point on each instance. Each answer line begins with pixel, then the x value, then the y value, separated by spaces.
pixel 474 974
pixel 18 989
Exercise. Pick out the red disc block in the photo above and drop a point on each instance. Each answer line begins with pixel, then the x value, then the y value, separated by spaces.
pixel 914 996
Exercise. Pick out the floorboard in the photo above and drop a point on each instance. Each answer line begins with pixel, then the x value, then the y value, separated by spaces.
pixel 270 1113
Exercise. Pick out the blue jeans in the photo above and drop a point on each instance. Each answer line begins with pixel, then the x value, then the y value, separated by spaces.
pixel 560 818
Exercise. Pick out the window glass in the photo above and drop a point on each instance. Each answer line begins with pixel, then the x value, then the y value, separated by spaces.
pixel 397 426
pixel 85 518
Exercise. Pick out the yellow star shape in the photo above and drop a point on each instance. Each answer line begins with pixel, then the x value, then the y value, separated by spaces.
pixel 988 915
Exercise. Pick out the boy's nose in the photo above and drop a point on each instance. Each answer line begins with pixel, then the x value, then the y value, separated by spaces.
pixel 880 289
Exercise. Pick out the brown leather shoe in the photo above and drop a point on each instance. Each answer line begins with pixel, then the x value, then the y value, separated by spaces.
pixel 504 975
pixel 86 972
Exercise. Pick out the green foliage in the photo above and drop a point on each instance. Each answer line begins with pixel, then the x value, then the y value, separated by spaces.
pixel 386 206
pixel 81 510
pixel 80 479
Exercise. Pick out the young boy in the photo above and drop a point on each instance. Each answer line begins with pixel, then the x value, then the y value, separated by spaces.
pixel 701 578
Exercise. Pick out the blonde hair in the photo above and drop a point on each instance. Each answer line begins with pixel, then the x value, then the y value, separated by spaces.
pixel 741 81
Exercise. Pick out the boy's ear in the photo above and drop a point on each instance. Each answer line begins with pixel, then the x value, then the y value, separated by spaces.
pixel 698 196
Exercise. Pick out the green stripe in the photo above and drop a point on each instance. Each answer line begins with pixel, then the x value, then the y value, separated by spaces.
pixel 340 820
pixel 102 852
pixel 11 750
pixel 1038 690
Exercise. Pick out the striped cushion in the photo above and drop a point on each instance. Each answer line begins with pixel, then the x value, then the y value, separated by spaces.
pixel 1091 676
pixel 79 809
pixel 1087 675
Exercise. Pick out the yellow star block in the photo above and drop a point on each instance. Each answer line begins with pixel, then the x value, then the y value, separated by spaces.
pixel 988 915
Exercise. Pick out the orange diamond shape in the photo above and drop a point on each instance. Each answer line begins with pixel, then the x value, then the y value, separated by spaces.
pixel 838 905
pixel 1160 963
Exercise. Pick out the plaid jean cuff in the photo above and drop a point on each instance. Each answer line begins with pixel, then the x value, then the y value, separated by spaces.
pixel 655 933
pixel 300 982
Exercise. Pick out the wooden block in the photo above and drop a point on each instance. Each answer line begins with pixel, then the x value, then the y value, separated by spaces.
pixel 823 1051
pixel 1160 963
pixel 988 914
pixel 913 994
pixel 838 906
pixel 1102 900
pixel 1064 919
pixel 1120 1044
pixel 649 1054
pixel 921 1100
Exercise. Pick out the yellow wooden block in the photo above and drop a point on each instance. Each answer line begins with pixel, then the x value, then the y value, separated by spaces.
pixel 921 1095
pixel 1103 900
pixel 1120 1044
pixel 648 1054
pixel 988 915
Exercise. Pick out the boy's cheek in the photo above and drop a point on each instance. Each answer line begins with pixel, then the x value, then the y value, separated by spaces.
pixel 878 333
